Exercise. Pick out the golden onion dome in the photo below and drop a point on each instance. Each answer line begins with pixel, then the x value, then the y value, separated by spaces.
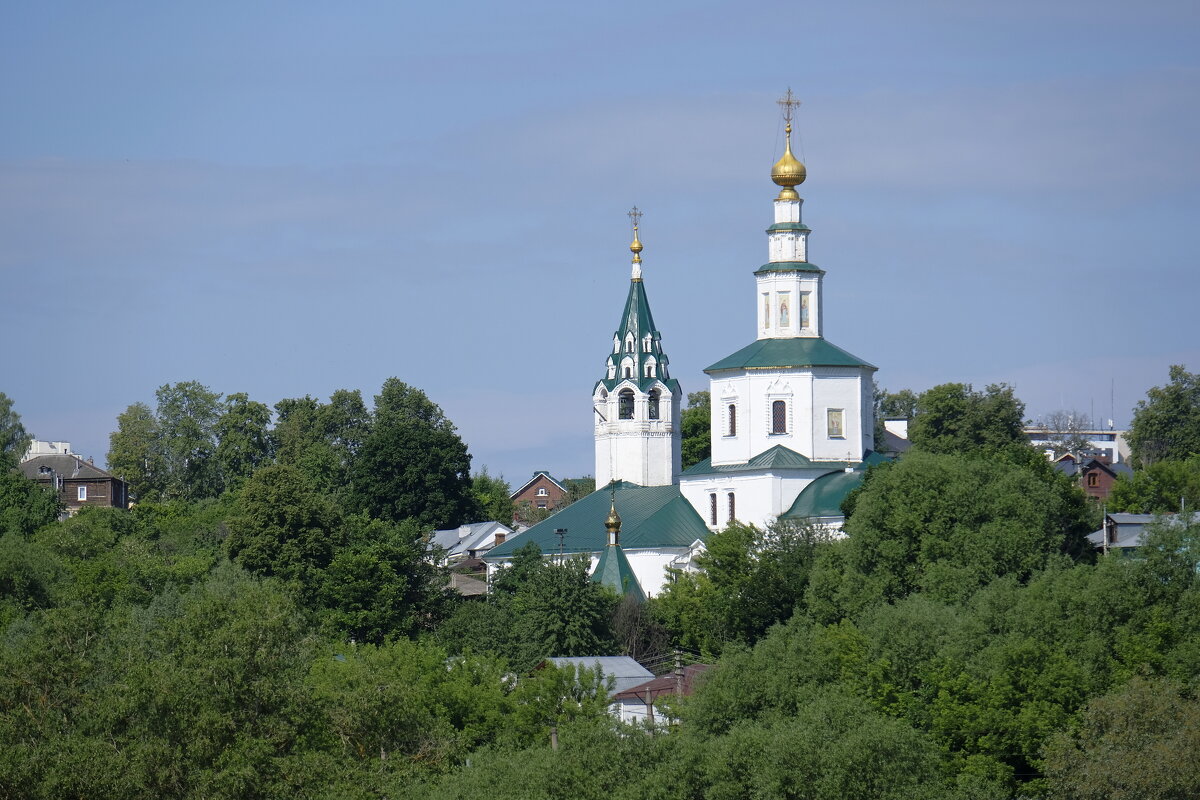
pixel 788 171
pixel 635 246
pixel 613 523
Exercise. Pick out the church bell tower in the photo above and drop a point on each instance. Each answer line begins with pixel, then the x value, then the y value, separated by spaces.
pixel 636 404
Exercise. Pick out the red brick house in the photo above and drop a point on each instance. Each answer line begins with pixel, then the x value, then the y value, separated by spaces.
pixel 1096 475
pixel 79 483
pixel 542 492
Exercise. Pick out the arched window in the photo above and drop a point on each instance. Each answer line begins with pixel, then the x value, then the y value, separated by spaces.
pixel 629 372
pixel 629 345
pixel 778 417
pixel 712 509
pixel 732 508
pixel 625 404
pixel 732 419
pixel 654 396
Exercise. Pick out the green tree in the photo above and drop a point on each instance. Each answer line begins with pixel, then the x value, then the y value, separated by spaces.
pixel 577 489
pixel 1136 743
pixel 954 418
pixel 747 580
pixel 951 524
pixel 14 439
pixel 24 505
pixel 1158 488
pixel 284 527
pixel 135 452
pixel 413 464
pixel 493 496
pixel 1166 425
pixel 696 428
pixel 380 585
pixel 243 441
pixel 187 418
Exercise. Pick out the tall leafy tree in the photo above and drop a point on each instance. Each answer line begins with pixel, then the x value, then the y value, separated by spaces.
pixel 14 439
pixel 493 495
pixel 243 439
pixel 955 418
pixel 322 439
pixel 135 452
pixel 696 431
pixel 187 417
pixel 412 463
pixel 1166 425
pixel 284 527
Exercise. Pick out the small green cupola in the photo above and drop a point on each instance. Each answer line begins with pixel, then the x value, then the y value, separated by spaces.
pixel 613 569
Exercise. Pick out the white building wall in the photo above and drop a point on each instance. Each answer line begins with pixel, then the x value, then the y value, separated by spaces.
pixel 808 394
pixel 759 498
pixel 639 450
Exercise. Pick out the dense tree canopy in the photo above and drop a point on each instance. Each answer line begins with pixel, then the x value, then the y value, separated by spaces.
pixel 412 463
pixel 955 418
pixel 1160 487
pixel 1166 425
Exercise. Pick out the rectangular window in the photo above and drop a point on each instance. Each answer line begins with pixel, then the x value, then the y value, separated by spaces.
pixel 81 493
pixel 779 417
pixel 833 417
pixel 712 509
pixel 732 419
pixel 732 508
pixel 1093 479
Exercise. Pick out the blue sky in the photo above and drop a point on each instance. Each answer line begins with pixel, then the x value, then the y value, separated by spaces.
pixel 292 198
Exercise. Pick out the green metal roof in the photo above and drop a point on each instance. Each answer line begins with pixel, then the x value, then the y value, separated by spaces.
pixel 793 352
pixel 613 570
pixel 788 226
pixel 636 320
pixel 789 266
pixel 777 457
pixel 651 517
pixel 823 497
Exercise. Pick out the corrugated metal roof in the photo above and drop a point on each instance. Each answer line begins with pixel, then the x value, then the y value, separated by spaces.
pixel 651 517
pixel 823 497
pixel 794 352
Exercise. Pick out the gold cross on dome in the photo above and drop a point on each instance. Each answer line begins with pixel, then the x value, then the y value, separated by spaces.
pixel 788 102
pixel 634 217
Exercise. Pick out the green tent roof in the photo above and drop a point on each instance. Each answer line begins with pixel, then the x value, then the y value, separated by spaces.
pixel 794 352
pixel 777 457
pixel 651 517
pixel 613 570
pixel 823 497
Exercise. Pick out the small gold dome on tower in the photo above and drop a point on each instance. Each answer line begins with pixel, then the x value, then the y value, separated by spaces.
pixel 788 171
pixel 635 246
pixel 613 523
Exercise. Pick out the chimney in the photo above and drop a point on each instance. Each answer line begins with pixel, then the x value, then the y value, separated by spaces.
pixel 499 538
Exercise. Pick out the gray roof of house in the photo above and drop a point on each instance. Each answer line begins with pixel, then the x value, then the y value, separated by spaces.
pixel 458 540
pixel 625 672
pixel 68 466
